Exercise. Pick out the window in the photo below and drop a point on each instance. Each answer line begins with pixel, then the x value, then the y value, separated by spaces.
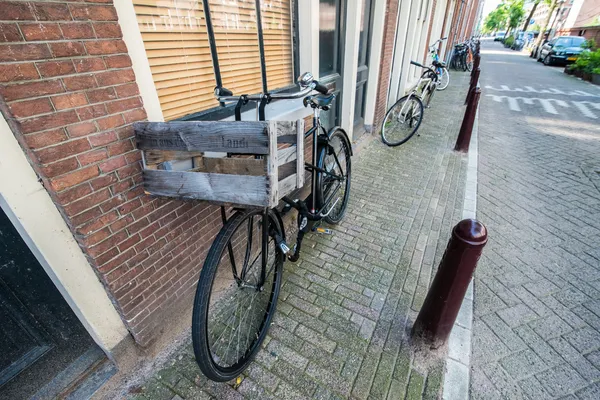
pixel 177 43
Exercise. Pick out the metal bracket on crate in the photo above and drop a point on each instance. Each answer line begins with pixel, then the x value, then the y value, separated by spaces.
pixel 238 107
pixel 261 107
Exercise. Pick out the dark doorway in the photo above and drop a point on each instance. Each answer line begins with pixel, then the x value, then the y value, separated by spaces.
pixel 331 54
pixel 363 68
pixel 40 336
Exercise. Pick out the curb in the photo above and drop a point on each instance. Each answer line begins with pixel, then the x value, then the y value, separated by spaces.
pixel 458 363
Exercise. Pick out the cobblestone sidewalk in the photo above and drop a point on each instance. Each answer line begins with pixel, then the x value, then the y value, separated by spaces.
pixel 537 288
pixel 345 308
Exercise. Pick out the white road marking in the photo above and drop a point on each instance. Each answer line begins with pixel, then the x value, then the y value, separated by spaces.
pixel 548 107
pixel 513 104
pixel 584 110
pixel 529 89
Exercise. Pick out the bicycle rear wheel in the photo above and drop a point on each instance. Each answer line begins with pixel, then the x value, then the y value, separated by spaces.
pixel 444 79
pixel 232 310
pixel 402 120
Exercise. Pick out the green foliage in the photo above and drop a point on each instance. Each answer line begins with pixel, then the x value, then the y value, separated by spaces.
pixel 534 28
pixel 515 13
pixel 589 44
pixel 497 19
pixel 509 41
pixel 596 71
pixel 588 61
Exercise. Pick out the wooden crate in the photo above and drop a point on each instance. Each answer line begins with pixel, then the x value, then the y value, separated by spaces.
pixel 224 167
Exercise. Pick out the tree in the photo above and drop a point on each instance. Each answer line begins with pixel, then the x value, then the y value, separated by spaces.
pixel 496 19
pixel 552 4
pixel 515 14
pixel 535 4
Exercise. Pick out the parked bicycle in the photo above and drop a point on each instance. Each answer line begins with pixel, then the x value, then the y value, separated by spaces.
pixel 240 281
pixel 462 56
pixel 403 119
pixel 441 70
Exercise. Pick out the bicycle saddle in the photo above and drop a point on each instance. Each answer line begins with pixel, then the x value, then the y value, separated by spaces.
pixel 439 64
pixel 320 101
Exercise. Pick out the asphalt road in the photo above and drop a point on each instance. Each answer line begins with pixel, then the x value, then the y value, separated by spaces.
pixel 537 287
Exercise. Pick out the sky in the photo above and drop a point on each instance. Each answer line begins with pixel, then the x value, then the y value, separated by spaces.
pixel 489 6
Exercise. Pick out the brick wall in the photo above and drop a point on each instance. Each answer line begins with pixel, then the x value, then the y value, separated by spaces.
pixel 428 42
pixel 68 91
pixel 385 68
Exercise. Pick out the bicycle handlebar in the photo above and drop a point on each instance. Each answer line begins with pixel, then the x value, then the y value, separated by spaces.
pixel 417 64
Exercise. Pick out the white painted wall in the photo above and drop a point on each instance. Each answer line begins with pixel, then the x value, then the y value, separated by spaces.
pixel 376 44
pixel 32 211
pixel 350 66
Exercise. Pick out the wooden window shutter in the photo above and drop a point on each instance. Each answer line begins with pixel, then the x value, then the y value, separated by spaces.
pixel 177 46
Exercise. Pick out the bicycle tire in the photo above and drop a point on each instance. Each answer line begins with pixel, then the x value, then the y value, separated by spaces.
pixel 201 327
pixel 444 79
pixel 327 162
pixel 387 134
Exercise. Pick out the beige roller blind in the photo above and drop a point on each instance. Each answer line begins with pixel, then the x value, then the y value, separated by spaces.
pixel 177 46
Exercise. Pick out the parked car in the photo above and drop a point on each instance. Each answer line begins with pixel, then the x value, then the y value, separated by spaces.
pixel 521 39
pixel 561 50
pixel 499 36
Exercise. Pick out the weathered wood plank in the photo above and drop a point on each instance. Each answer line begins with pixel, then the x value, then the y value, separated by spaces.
pixel 291 139
pixel 272 165
pixel 286 155
pixel 222 188
pixel 238 166
pixel 244 137
pixel 285 170
pixel 300 153
pixel 287 185
pixel 159 156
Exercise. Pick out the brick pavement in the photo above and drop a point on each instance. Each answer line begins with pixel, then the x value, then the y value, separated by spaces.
pixel 537 288
pixel 341 325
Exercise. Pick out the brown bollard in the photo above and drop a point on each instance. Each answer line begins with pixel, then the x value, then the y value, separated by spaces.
pixel 464 135
pixel 445 296
pixel 473 83
pixel 476 62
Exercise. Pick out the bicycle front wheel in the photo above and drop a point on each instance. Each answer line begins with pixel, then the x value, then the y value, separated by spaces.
pixel 444 79
pixel 402 120
pixel 234 304
pixel 333 188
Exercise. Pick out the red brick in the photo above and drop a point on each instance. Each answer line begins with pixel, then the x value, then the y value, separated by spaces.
pixel 17 72
pixel 101 95
pixel 86 216
pixel 130 206
pixel 108 30
pixel 78 31
pixel 129 170
pixel 97 237
pixel 74 178
pixel 82 129
pixel 109 122
pixel 102 139
pixel 135 115
pixel 48 121
pixel 117 259
pixel 51 154
pixel 92 157
pixel 112 164
pixel 129 242
pixel 86 203
pixel 60 167
pixel 99 47
pixel 91 112
pixel 80 82
pixel 127 90
pixel 33 89
pixel 69 100
pixel 120 61
pixel 41 31
pixel 73 194
pixel 107 257
pixel 114 202
pixel 24 52
pixel 67 49
pixel 56 68
pixel 99 223
pixel 89 64
pixel 123 105
pixel 107 244
pixel 93 13
pixel 16 10
pixel 126 132
pixel 121 223
pixel 104 181
pixel 46 138
pixel 51 12
pixel 135 192
pixel 120 148
pixel 31 107
pixel 10 33
pixel 115 77
pixel 122 186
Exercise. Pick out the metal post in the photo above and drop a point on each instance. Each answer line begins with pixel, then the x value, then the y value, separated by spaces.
pixel 476 62
pixel 473 83
pixel 445 296
pixel 464 135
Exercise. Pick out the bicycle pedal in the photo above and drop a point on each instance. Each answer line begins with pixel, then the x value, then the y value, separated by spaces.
pixel 285 249
pixel 325 231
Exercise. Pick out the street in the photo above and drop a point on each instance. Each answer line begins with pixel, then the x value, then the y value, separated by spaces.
pixel 537 293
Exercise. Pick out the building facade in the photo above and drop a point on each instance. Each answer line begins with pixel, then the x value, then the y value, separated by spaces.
pixel 75 76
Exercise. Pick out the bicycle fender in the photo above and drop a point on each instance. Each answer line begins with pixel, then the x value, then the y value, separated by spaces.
pixel 336 128
pixel 280 220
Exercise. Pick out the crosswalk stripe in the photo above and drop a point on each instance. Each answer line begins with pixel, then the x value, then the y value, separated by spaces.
pixel 584 110
pixel 548 107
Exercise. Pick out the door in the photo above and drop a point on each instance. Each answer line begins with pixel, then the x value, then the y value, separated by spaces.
pixel 40 336
pixel 363 67
pixel 331 54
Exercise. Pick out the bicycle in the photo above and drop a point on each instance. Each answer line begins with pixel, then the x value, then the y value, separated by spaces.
pixel 462 56
pixel 407 113
pixel 441 70
pixel 240 281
